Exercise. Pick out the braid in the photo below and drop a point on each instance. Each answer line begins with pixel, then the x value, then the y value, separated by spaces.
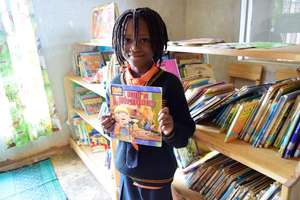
pixel 156 26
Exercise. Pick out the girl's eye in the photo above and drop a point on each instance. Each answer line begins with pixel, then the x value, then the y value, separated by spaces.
pixel 127 40
pixel 145 40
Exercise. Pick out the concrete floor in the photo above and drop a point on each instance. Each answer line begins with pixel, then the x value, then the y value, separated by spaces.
pixel 76 180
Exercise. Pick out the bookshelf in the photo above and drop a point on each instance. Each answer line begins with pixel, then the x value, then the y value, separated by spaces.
pixel 265 161
pixel 95 161
pixel 290 53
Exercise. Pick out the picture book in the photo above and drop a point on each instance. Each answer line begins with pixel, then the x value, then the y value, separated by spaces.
pixel 170 65
pixel 103 19
pixel 89 65
pixel 187 155
pixel 135 109
pixel 239 120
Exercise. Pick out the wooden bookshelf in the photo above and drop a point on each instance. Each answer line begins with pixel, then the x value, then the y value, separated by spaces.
pixel 95 163
pixel 97 43
pixel 93 121
pixel 264 160
pixel 95 87
pixel 290 53
pixel 182 190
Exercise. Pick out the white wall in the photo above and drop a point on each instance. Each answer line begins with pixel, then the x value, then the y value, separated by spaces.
pixel 62 23
pixel 214 18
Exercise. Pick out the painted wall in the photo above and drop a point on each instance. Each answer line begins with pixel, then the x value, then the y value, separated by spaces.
pixel 61 24
pixel 220 19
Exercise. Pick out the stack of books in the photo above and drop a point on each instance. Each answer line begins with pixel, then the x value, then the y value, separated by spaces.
pixel 216 176
pixel 86 100
pixel 268 115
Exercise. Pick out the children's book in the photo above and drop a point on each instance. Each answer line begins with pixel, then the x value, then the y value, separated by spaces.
pixel 103 19
pixel 187 155
pixel 135 109
pixel 89 65
pixel 170 65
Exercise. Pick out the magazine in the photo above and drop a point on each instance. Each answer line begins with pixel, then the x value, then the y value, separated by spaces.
pixel 135 109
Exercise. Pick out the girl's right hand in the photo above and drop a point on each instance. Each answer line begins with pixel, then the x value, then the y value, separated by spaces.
pixel 107 122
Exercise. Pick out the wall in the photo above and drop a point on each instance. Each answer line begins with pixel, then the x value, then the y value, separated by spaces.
pixel 220 19
pixel 206 18
pixel 61 24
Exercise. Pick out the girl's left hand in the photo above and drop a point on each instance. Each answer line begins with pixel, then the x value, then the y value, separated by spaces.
pixel 166 123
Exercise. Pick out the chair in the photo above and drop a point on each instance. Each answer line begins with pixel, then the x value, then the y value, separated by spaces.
pixel 247 71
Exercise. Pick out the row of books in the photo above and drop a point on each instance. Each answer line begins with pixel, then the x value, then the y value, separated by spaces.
pixel 96 66
pixel 216 176
pixel 268 115
pixel 207 97
pixel 86 100
pixel 85 134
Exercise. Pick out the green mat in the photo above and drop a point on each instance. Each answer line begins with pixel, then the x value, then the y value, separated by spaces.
pixel 35 182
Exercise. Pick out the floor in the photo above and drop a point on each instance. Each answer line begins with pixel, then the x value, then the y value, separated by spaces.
pixel 75 179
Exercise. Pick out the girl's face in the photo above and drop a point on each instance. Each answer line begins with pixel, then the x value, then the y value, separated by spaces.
pixel 138 53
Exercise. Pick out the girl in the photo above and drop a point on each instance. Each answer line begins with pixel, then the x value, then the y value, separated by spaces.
pixel 139 39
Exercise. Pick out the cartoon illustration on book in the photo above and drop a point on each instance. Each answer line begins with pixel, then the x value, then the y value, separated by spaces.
pixel 135 109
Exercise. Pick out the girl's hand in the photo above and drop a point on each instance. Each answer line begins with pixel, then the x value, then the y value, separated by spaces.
pixel 107 122
pixel 166 123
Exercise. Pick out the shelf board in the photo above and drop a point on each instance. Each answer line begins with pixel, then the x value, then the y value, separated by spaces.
pixel 179 186
pixel 290 53
pixel 265 161
pixel 98 88
pixel 96 43
pixel 95 163
pixel 93 121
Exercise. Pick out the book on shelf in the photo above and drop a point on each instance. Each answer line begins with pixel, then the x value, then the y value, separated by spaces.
pixel 188 154
pixel 89 65
pixel 265 115
pixel 103 19
pixel 243 113
pixel 219 177
pixel 196 41
pixel 135 109
pixel 170 65
pixel 86 100
pixel 86 135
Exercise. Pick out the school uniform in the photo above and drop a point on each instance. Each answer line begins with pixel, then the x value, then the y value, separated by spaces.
pixel 147 172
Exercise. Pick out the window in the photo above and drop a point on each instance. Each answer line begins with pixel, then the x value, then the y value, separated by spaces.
pixel 270 21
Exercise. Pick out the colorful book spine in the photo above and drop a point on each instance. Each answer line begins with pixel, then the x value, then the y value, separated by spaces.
pixel 290 130
pixel 293 142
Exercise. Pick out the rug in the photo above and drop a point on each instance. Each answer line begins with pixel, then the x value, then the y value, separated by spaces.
pixel 34 182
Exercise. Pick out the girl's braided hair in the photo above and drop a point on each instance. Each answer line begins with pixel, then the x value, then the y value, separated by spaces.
pixel 156 26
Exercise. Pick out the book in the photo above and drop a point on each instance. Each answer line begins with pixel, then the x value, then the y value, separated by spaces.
pixel 188 154
pixel 291 127
pixel 89 65
pixel 135 109
pixel 291 147
pixel 170 65
pixel 239 120
pixel 103 19
pixel 196 41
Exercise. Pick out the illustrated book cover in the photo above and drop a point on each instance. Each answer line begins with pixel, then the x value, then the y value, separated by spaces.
pixel 135 109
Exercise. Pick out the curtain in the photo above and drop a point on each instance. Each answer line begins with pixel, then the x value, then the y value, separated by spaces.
pixel 27 109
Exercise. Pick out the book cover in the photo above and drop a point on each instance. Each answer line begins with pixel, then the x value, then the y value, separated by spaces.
pixel 292 145
pixel 291 127
pixel 135 109
pixel 188 154
pixel 89 64
pixel 103 19
pixel 240 119
pixel 170 65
